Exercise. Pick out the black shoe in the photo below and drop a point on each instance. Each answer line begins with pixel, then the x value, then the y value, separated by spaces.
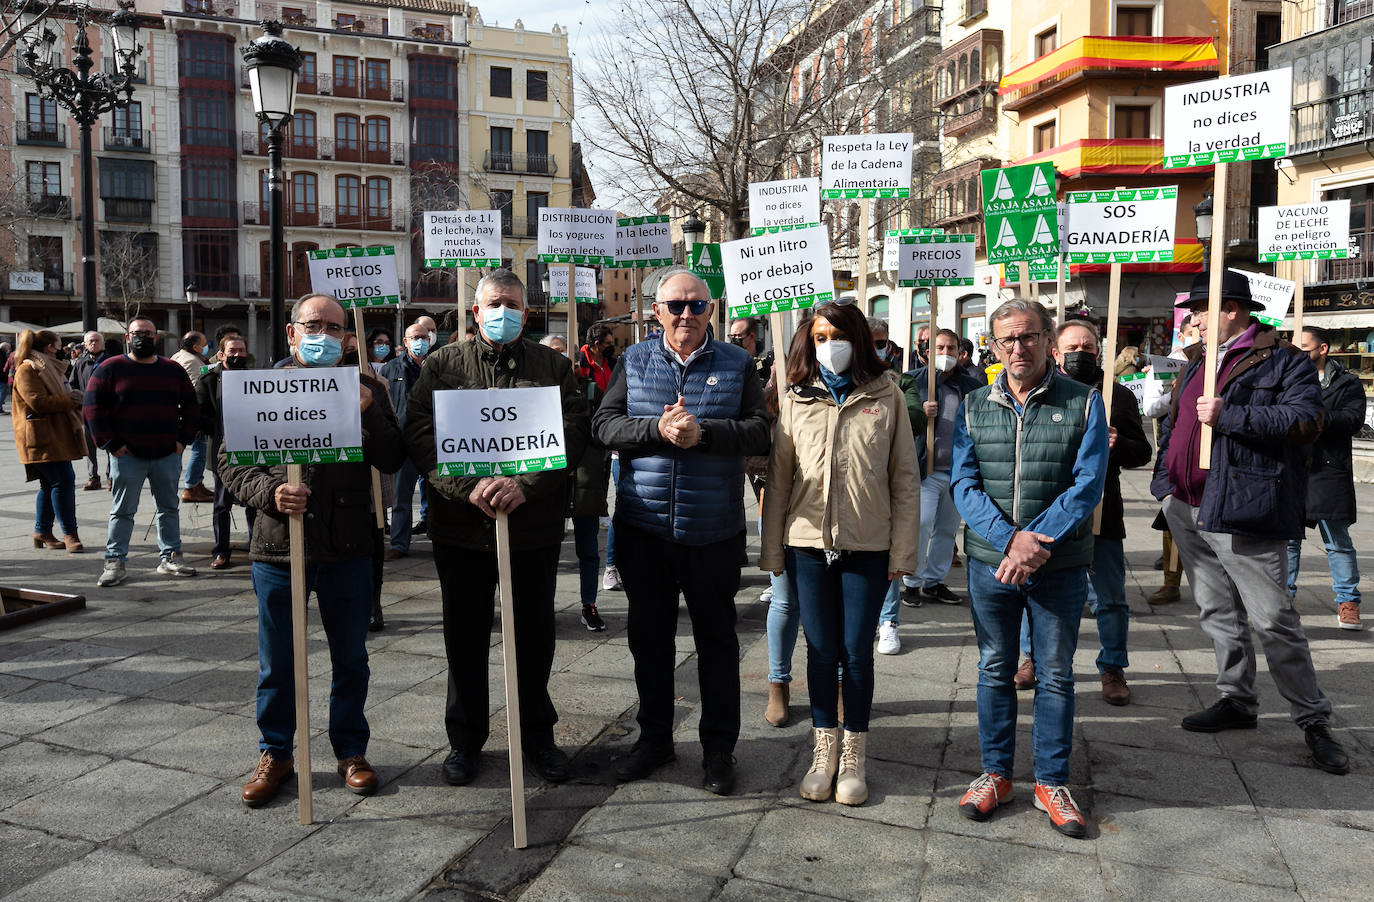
pixel 591 619
pixel 644 758
pixel 1159 562
pixel 420 528
pixel 941 592
pixel 1326 751
pixel 548 762
pixel 911 596
pixel 460 767
pixel 1226 714
pixel 378 622
pixel 720 773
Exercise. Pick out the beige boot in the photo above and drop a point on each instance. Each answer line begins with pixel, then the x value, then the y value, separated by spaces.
pixel 850 786
pixel 825 758
pixel 779 697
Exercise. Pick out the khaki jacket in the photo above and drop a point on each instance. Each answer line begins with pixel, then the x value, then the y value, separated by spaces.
pixel 46 413
pixel 843 477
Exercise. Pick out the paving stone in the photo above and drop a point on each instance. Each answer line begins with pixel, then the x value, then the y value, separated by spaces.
pixel 1308 794
pixel 10 684
pixel 1167 776
pixel 45 705
pixel 959 869
pixel 29 854
pixel 231 687
pixel 580 873
pixel 1326 861
pixel 127 726
pixel 1127 881
pixel 251 892
pixel 139 674
pixel 224 747
pixel 27 768
pixel 1015 822
pixel 59 658
pixel 107 874
pixel 742 890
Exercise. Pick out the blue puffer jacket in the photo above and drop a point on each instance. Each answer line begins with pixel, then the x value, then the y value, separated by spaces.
pixel 690 495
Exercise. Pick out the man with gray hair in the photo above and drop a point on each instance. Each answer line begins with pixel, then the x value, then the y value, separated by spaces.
pixel 889 352
pixel 1030 461
pixel 556 342
pixel 92 355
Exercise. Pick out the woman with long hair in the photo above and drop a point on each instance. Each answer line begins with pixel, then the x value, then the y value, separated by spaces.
pixel 380 347
pixel 841 516
pixel 46 412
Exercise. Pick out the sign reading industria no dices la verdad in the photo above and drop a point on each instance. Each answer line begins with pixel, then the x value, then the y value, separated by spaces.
pixel 299 415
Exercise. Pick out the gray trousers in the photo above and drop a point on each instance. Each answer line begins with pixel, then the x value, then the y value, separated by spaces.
pixel 1240 582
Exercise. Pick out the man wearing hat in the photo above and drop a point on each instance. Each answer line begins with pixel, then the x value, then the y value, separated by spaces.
pixel 1232 522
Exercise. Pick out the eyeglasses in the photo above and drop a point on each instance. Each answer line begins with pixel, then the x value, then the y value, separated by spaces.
pixel 142 334
pixel 1025 340
pixel 676 307
pixel 316 326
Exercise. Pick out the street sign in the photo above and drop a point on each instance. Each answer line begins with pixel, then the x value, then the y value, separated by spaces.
pixel 788 204
pixel 1316 231
pixel 774 273
pixel 1019 212
pixel 643 241
pixel 499 432
pixel 1228 120
pixel 576 235
pixel 356 276
pixel 866 165
pixel 1134 225
pixel 298 415
pixel 704 263
pixel 926 261
pixel 462 238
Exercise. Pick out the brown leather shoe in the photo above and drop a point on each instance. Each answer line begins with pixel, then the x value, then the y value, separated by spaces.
pixel 358 775
pixel 1114 688
pixel 1164 595
pixel 267 779
pixel 198 494
pixel 73 544
pixel 46 540
pixel 92 484
pixel 1025 675
pixel 219 562
pixel 393 554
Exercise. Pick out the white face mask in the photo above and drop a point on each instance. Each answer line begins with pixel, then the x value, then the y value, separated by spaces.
pixel 835 355
pixel 1190 341
pixel 944 363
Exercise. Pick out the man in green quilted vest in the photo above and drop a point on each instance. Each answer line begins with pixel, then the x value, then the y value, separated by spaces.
pixel 1030 459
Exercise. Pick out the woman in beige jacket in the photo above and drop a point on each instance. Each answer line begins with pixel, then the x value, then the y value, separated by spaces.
pixel 47 434
pixel 841 514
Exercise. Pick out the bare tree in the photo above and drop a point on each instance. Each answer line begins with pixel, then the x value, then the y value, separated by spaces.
pixel 25 20
pixel 128 272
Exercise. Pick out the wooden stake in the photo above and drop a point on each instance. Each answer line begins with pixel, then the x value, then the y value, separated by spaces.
pixel 572 315
pixel 1209 368
pixel 776 327
pixel 1059 290
pixel 517 763
pixel 861 279
pixel 1109 363
pixel 930 385
pixel 365 368
pixel 1023 285
pixel 639 302
pixel 296 526
pixel 1296 271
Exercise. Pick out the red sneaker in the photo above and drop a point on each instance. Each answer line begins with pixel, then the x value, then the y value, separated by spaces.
pixel 984 795
pixel 1059 805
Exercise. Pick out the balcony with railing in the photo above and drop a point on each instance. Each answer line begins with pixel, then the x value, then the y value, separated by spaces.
pixel 58 282
pixel 922 25
pixel 299 148
pixel 1168 58
pixel 124 209
pixel 519 227
pixel 359 23
pixel 324 216
pixel 1332 122
pixel 49 206
pixel 527 163
pixel 47 134
pixel 300 15
pixel 140 70
pixel 1309 16
pixel 1359 266
pixel 220 9
pixel 128 139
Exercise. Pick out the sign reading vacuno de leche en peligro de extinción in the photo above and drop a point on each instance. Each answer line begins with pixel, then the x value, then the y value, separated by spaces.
pixel 462 238
pixel 499 431
pixel 1228 120
pixel 293 415
pixel 1020 212
pixel 1130 225
pixel 1316 231
pixel 575 235
pixel 643 241
pixel 773 273
pixel 356 276
pixel 787 204
pixel 928 261
pixel 866 165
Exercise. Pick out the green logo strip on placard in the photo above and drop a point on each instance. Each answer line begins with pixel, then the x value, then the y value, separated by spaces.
pixel 504 468
pixel 903 233
pixel 1234 155
pixel 1121 195
pixel 1121 256
pixel 337 252
pixel 798 303
pixel 296 456
pixel 1339 253
pixel 773 230
pixel 450 263
pixel 594 259
pixel 866 192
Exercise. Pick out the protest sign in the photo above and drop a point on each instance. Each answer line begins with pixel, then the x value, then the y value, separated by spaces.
pixel 1042 270
pixel 704 263
pixel 643 241
pixel 575 235
pixel 1020 218
pixel 1316 231
pixel 356 276
pixel 1135 384
pixel 462 238
pixel 1274 293
pixel 773 273
pixel 584 284
pixel 925 261
pixel 1164 365
pixel 1134 225
pixel 866 165
pixel 292 415
pixel 499 432
pixel 1226 120
pixel 892 241
pixel 787 204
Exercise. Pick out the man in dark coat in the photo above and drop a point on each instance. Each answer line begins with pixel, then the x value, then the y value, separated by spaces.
pixel 1331 480
pixel 232 355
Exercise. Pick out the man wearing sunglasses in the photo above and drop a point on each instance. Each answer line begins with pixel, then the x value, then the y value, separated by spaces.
pixel 683 411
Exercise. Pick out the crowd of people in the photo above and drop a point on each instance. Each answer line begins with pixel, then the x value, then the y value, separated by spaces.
pixel 861 474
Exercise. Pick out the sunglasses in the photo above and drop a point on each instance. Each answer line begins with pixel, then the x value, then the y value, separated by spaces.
pixel 676 307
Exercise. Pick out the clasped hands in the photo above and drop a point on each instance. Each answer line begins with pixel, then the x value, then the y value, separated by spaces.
pixel 677 426
pixel 1026 554
pixel 497 495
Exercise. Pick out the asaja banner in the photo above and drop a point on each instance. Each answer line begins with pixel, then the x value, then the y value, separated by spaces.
pixel 892 240
pixel 499 431
pixel 926 261
pixel 1225 120
pixel 787 204
pixel 1274 293
pixel 575 235
pixel 462 238
pixel 1319 231
pixel 584 284
pixel 298 415
pixel 1133 225
pixel 866 165
pixel 643 241
pixel 1043 270
pixel 356 276
pixel 704 262
pixel 1020 213
pixel 773 273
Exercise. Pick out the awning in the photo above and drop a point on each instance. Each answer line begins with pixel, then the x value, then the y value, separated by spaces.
pixel 1097 52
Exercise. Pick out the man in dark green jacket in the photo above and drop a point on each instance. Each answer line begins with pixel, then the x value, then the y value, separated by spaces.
pixel 462 528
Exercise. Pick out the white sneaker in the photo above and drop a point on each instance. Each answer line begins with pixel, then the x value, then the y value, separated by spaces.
pixel 172 565
pixel 888 643
pixel 766 595
pixel 113 574
pixel 610 579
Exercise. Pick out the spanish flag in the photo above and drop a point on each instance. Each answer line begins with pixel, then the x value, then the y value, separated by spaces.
pixel 1090 52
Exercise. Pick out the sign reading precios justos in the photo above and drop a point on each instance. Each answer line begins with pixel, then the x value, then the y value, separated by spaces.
pixel 1132 225
pixel 499 431
pixel 1317 231
pixel 927 261
pixel 643 241
pixel 576 235
pixel 292 415
pixel 356 276
pixel 866 165
pixel 1227 120
pixel 773 273
pixel 462 238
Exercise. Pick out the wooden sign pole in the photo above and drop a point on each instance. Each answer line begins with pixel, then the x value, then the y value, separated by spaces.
pixel 364 368
pixel 1297 271
pixel 517 764
pixel 296 532
pixel 1023 285
pixel 1059 290
pixel 572 315
pixel 775 328
pixel 639 303
pixel 1209 369
pixel 861 275
pixel 1109 362
pixel 930 384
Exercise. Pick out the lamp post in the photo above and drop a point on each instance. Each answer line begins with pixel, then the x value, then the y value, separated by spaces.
pixel 272 63
pixel 192 295
pixel 87 96
pixel 692 230
pixel 544 283
pixel 1202 214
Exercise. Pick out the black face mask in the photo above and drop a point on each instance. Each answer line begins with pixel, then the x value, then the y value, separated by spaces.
pixel 143 346
pixel 1081 366
pixel 608 352
pixel 236 363
pixel 736 340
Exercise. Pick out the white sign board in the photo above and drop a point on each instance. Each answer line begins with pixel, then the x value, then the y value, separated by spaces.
pixel 643 241
pixel 773 273
pixel 575 235
pixel 1135 384
pixel 26 281
pixel 463 238
pixel 584 282
pixel 1228 120
pixel 892 241
pixel 1164 365
pixel 499 431
pixel 302 415
pixel 926 261
pixel 356 276
pixel 1274 293
pixel 783 205
pixel 1318 231
pixel 866 165
pixel 1123 226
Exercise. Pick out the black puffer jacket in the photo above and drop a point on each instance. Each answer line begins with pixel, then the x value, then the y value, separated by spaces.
pixel 1331 481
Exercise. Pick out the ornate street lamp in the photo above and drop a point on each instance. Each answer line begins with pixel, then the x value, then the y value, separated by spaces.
pixel 1202 214
pixel 272 63
pixel 87 95
pixel 692 230
pixel 192 295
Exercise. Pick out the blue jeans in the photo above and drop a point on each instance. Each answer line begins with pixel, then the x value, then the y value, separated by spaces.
pixel 343 592
pixel 404 481
pixel 610 530
pixel 839 606
pixel 939 524
pixel 1340 557
pixel 783 620
pixel 195 464
pixel 1107 601
pixel 1054 600
pixel 588 555
pixel 892 603
pixel 127 475
pixel 56 495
